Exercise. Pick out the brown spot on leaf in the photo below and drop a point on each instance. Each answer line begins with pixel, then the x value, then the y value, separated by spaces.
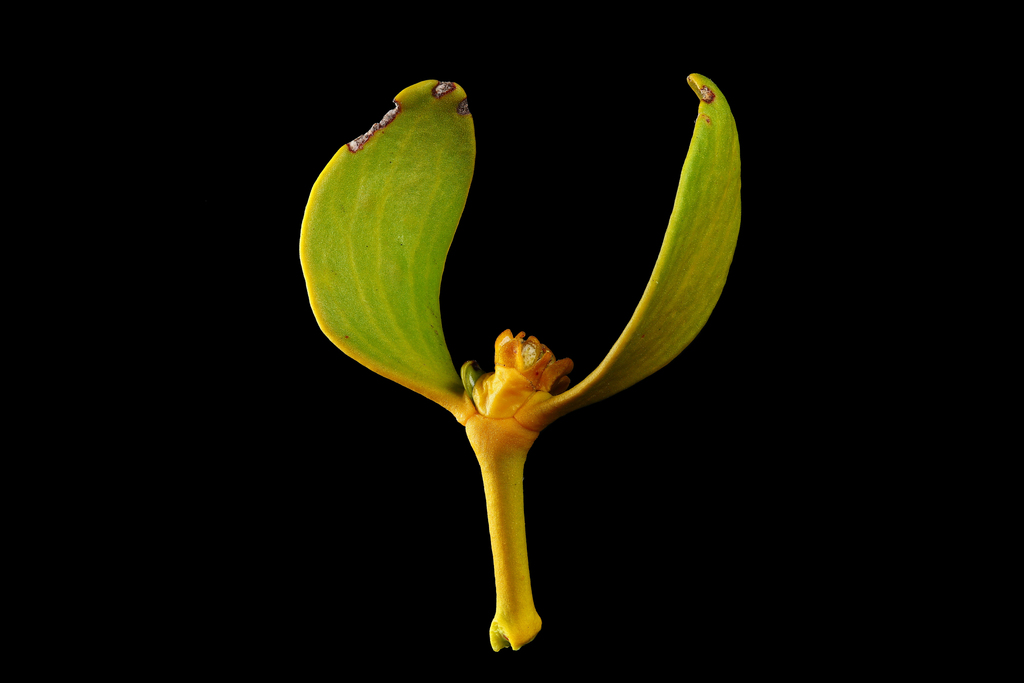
pixel 443 88
pixel 463 108
pixel 358 143
pixel 707 119
pixel 707 94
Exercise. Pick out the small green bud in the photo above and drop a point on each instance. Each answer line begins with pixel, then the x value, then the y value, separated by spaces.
pixel 471 372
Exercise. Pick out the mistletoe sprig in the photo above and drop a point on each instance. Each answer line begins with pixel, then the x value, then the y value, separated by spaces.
pixel 375 236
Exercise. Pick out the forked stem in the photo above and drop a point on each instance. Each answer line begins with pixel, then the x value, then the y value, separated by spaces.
pixel 501 446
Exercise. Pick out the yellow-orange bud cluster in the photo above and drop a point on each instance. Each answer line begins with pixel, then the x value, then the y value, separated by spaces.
pixel 524 370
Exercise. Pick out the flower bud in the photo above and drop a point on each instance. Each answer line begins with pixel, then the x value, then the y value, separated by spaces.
pixel 523 368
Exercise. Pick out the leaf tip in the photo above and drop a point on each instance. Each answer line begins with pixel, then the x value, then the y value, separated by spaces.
pixel 700 87
pixel 443 88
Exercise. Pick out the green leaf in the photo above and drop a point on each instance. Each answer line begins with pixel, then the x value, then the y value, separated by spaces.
pixel 375 236
pixel 692 266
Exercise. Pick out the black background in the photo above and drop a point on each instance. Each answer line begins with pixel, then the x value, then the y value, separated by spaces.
pixel 323 515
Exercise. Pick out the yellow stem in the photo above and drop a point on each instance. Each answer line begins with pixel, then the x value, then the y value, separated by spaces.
pixel 501 446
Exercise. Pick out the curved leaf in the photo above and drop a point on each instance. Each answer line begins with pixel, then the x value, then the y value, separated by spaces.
pixel 375 236
pixel 692 266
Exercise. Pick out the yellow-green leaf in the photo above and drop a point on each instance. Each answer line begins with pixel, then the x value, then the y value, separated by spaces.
pixel 375 236
pixel 692 266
